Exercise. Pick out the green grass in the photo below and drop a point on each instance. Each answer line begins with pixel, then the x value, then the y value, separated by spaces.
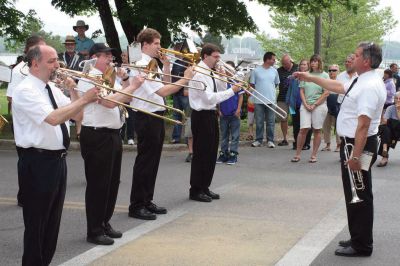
pixel 3 101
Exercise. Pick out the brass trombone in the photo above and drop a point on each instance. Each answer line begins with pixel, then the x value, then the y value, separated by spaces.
pixel 97 81
pixel 152 73
pixel 356 178
pixel 230 79
pixel 3 122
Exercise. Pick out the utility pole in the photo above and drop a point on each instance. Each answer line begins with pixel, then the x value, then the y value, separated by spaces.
pixel 318 34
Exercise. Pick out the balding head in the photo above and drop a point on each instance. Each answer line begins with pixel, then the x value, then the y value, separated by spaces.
pixel 287 62
pixel 42 62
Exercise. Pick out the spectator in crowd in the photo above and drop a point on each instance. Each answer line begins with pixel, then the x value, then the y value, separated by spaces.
pixel 264 79
pixel 390 88
pixel 83 43
pixel 396 77
pixel 293 100
pixel 70 57
pixel 313 109
pixel 389 130
pixel 250 118
pixel 229 117
pixel 287 69
pixel 330 120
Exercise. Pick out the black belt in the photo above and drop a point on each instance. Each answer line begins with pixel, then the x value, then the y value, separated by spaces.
pixel 103 129
pixel 352 139
pixel 56 153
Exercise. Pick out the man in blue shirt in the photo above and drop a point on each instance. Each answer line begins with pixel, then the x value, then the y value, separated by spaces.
pixel 83 44
pixel 264 79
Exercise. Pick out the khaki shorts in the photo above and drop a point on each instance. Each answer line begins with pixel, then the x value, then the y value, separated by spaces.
pixel 285 107
pixel 315 118
pixel 188 128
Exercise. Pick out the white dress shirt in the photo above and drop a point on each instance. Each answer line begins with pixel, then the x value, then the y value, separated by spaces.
pixel 148 90
pixel 16 77
pixel 208 99
pixel 346 80
pixel 31 105
pixel 367 97
pixel 97 115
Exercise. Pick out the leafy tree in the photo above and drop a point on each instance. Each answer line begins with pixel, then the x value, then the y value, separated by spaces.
pixel 342 30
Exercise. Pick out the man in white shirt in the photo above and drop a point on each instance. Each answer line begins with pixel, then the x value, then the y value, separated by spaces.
pixel 101 149
pixel 204 121
pixel 357 124
pixel 149 129
pixel 347 77
pixel 41 114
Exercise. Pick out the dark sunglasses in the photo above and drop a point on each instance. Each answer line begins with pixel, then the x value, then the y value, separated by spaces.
pixel 332 70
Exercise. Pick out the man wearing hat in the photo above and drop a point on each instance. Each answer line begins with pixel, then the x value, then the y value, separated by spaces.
pixel 83 44
pixel 70 56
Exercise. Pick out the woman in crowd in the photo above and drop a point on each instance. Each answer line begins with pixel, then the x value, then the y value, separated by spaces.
pixel 313 109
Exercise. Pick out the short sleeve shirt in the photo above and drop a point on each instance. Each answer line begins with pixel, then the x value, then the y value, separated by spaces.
pixel 83 44
pixel 391 113
pixel 312 91
pixel 265 81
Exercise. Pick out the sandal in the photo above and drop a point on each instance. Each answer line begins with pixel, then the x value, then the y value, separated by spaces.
pixel 249 137
pixel 326 149
pixel 295 159
pixel 337 149
pixel 313 159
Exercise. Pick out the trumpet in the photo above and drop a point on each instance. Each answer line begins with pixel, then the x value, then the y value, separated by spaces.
pixel 3 122
pixel 356 178
pixel 152 73
pixel 233 80
pixel 97 81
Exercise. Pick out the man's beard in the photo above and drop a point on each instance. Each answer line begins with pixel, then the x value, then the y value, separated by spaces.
pixel 53 75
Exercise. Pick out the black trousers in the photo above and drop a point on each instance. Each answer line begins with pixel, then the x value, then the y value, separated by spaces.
pixel 205 147
pixel 101 150
pixel 129 125
pixel 360 216
pixel 43 183
pixel 150 134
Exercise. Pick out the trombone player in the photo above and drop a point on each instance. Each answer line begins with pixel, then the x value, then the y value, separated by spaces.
pixel 357 124
pixel 204 121
pixel 101 149
pixel 150 130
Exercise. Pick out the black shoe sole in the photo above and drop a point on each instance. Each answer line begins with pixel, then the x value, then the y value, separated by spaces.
pixel 200 200
pixel 147 218
pixel 99 242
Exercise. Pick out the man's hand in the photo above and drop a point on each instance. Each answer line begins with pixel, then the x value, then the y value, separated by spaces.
pixel 69 84
pixel 302 76
pixel 237 113
pixel 237 87
pixel 354 165
pixel 121 73
pixel 189 73
pixel 91 95
pixel 137 81
pixel 164 60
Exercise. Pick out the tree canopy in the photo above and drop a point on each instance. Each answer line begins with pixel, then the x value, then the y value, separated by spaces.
pixel 342 30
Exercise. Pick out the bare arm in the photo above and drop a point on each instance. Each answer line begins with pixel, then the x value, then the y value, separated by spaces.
pixel 328 84
pixel 240 102
pixel 172 88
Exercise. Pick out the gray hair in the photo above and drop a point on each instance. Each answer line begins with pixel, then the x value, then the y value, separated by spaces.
pixel 34 53
pixel 397 94
pixel 373 52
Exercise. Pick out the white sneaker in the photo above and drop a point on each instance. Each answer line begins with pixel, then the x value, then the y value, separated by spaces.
pixel 130 142
pixel 271 144
pixel 256 144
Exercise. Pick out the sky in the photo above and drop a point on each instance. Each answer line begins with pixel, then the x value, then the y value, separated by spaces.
pixel 61 24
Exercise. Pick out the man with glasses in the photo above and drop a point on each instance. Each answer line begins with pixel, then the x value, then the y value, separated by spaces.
pixel 357 124
pixel 101 149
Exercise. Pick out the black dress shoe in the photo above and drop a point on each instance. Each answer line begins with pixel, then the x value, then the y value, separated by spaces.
pixel 110 232
pixel 211 194
pixel 200 197
pixel 351 252
pixel 151 207
pixel 345 243
pixel 142 213
pixel 100 240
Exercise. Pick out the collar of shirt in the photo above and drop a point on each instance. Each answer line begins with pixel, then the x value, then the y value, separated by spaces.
pixel 37 83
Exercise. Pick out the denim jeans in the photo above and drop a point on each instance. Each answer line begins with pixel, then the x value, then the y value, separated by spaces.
pixel 229 126
pixel 182 103
pixel 263 113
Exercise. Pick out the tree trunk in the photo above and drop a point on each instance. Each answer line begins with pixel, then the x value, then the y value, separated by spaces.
pixel 109 27
pixel 131 29
pixel 318 34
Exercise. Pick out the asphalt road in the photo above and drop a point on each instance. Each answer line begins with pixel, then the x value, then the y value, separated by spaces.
pixel 271 211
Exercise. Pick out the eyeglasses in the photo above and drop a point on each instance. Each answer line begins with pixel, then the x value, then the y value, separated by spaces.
pixel 332 70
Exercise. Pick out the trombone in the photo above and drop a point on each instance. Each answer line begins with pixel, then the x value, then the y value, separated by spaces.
pixel 3 122
pixel 97 81
pixel 230 79
pixel 356 178
pixel 152 73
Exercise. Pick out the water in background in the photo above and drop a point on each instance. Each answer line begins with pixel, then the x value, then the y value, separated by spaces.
pixel 8 59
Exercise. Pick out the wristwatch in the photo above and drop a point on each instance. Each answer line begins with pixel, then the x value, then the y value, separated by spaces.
pixel 355 158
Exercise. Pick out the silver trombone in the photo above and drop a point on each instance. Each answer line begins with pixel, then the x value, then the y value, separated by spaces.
pixel 356 178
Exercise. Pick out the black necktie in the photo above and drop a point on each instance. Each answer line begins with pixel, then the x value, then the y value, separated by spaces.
pixel 64 129
pixel 212 76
